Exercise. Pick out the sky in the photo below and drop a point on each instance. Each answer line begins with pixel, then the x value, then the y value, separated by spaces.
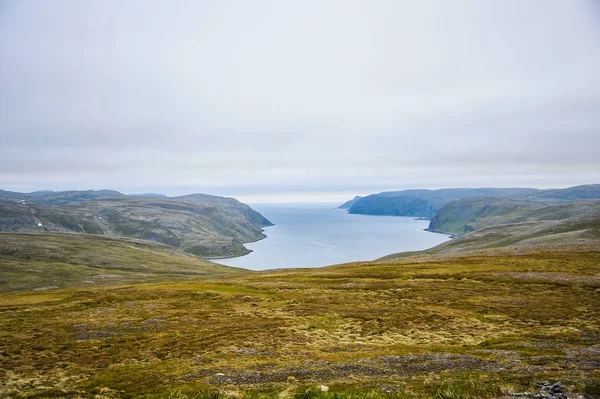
pixel 312 100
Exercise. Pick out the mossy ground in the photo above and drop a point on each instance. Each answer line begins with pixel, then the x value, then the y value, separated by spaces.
pixel 454 328
pixel 31 261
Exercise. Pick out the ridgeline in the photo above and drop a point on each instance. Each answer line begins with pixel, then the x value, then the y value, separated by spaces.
pixel 199 224
pixel 426 203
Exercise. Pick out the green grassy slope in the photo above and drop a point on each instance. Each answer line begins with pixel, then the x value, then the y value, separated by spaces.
pixel 469 214
pixel 60 197
pixel 54 260
pixel 577 193
pixel 457 328
pixel 199 224
pixel 496 225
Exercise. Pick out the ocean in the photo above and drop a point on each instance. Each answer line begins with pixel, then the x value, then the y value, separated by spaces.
pixel 318 234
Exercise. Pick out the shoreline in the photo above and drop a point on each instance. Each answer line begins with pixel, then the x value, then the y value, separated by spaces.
pixel 450 235
pixel 235 260
pixel 244 245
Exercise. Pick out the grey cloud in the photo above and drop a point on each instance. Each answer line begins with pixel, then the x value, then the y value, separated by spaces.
pixel 266 97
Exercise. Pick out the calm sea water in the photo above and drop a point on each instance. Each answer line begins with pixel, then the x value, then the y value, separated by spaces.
pixel 314 235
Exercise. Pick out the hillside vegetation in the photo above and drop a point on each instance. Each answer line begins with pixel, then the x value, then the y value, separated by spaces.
pixel 585 192
pixel 469 214
pixel 426 203
pixel 199 224
pixel 471 327
pixel 34 261
pixel 499 225
pixel 423 203
pixel 491 314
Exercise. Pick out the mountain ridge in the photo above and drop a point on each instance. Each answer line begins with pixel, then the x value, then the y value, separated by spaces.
pixel 494 225
pixel 200 224
pixel 425 203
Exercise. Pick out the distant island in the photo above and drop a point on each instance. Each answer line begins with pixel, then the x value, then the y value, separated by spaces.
pixel 426 203
pixel 348 204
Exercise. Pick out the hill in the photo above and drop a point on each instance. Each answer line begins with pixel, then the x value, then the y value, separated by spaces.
pixel 577 193
pixel 423 203
pixel 509 309
pixel 348 204
pixel 426 203
pixel 497 225
pixel 60 197
pixel 200 224
pixel 469 214
pixel 427 327
pixel 154 195
pixel 48 261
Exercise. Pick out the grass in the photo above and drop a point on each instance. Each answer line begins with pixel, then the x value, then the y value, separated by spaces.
pixel 469 214
pixel 197 224
pixel 578 232
pixel 56 260
pixel 460 327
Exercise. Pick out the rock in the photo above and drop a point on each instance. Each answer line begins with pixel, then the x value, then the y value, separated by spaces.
pixel 558 387
pixel 547 389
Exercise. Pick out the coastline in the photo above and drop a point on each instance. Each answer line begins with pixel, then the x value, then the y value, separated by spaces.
pixel 248 251
pixel 296 234
pixel 450 235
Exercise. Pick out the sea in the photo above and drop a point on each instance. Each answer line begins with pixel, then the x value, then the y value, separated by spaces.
pixel 319 234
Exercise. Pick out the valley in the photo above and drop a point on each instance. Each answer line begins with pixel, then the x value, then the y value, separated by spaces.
pixel 497 310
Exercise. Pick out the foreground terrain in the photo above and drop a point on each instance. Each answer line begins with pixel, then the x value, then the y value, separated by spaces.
pixel 508 309
pixel 428 327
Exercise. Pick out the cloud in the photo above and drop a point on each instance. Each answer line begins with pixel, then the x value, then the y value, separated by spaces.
pixel 276 98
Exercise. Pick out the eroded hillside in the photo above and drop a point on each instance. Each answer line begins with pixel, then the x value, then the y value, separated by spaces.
pixel 199 224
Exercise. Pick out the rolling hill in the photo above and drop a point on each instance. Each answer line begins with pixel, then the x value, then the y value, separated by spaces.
pixel 426 203
pixel 423 203
pixel 431 326
pixel 577 193
pixel 500 225
pixel 509 309
pixel 48 261
pixel 200 224
pixel 470 214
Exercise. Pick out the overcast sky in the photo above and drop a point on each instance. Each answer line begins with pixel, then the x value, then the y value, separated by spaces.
pixel 298 100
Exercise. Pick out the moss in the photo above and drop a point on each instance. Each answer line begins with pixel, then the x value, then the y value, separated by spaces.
pixel 457 327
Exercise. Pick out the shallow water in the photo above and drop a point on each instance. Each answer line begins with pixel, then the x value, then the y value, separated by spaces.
pixel 314 235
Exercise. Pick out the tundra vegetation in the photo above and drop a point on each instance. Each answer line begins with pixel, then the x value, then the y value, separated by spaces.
pixel 494 313
pixel 427 203
pixel 200 224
